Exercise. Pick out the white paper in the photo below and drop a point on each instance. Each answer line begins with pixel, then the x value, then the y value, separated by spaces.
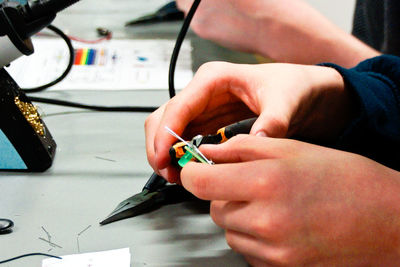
pixel 118 65
pixel 114 258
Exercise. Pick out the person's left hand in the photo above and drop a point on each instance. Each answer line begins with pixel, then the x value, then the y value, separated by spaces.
pixel 310 102
pixel 288 203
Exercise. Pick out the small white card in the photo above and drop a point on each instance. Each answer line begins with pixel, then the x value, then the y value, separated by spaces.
pixel 115 258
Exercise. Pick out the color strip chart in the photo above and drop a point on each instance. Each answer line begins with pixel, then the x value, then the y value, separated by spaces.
pixel 89 57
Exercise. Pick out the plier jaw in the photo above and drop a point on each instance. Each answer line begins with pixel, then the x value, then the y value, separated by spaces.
pixel 156 192
pixel 166 13
pixel 147 201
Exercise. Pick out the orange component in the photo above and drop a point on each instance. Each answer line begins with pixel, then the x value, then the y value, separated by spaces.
pixel 179 151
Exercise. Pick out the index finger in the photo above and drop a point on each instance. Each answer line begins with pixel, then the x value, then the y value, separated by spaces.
pixel 205 92
pixel 150 126
pixel 233 182
pixel 241 148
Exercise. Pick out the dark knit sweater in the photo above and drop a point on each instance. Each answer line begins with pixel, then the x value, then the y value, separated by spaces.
pixel 375 131
pixel 377 23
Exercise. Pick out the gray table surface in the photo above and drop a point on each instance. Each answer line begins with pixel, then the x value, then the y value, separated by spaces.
pixel 100 161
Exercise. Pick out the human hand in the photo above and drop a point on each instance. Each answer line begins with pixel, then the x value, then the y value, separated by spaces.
pixel 288 99
pixel 231 23
pixel 287 203
pixel 284 30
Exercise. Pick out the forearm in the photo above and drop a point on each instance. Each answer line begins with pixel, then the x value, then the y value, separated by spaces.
pixel 342 49
pixel 305 36
pixel 288 31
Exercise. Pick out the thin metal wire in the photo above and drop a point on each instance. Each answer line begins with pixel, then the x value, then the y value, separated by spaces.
pixel 78 235
pixel 193 147
pixel 50 242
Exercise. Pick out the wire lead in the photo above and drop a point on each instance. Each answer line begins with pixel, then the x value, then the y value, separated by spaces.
pixel 50 243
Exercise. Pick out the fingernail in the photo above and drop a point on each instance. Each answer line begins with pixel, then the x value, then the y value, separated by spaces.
pixel 261 134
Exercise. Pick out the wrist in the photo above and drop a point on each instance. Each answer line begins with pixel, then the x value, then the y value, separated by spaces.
pixel 325 79
pixel 330 107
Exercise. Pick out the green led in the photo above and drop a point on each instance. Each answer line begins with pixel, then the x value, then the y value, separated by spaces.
pixel 185 159
pixel 194 154
pixel 189 155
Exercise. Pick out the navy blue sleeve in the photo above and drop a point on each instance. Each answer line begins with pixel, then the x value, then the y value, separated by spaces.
pixel 375 131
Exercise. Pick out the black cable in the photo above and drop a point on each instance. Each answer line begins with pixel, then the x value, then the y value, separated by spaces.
pixel 66 71
pixel 178 44
pixel 28 255
pixel 92 107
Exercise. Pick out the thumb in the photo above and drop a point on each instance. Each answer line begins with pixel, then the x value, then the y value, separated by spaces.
pixel 270 125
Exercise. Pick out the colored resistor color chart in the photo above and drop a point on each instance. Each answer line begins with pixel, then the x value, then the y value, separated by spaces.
pixel 112 65
pixel 90 57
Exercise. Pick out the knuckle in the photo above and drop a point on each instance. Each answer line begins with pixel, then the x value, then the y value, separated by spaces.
pixel 180 4
pixel 272 185
pixel 241 142
pixel 286 257
pixel 212 66
pixel 188 108
pixel 274 224
pixel 238 145
pixel 153 119
pixel 264 228
pixel 265 186
pixel 277 127
pixel 260 227
pixel 215 213
pixel 205 67
pixel 231 241
pixel 171 103
pixel 202 27
pixel 198 185
pixel 239 139
pixel 199 29
pixel 148 121
pixel 150 157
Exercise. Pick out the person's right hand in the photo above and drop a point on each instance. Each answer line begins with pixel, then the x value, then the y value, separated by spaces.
pixel 284 30
pixel 288 99
pixel 283 202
